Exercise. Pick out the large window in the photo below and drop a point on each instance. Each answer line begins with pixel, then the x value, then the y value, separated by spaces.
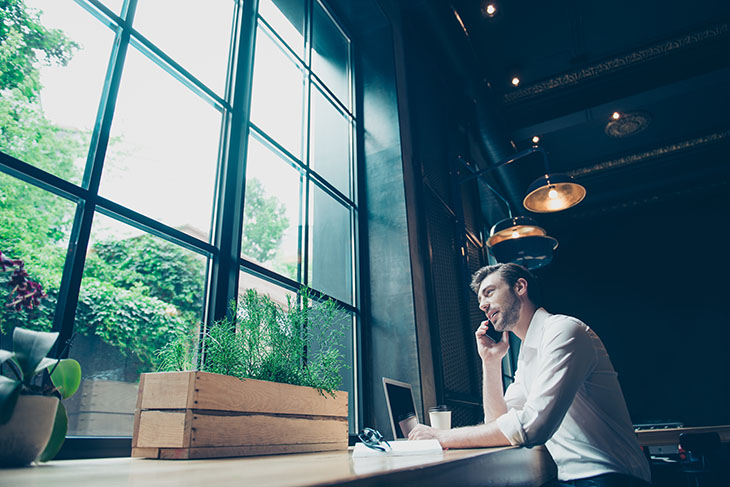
pixel 117 123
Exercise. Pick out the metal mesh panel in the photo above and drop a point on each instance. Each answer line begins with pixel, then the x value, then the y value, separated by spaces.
pixel 469 197
pixel 448 297
pixel 474 262
pixel 464 415
pixel 436 171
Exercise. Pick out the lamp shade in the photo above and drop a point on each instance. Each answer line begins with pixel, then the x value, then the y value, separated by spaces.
pixel 553 192
pixel 522 241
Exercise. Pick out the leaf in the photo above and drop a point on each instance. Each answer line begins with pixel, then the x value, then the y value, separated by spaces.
pixel 5 355
pixel 9 391
pixel 45 363
pixel 60 426
pixel 66 377
pixel 30 348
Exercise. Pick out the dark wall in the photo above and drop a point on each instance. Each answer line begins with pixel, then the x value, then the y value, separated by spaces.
pixel 652 281
pixel 387 332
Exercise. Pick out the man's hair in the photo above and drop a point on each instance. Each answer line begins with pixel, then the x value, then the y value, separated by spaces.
pixel 509 273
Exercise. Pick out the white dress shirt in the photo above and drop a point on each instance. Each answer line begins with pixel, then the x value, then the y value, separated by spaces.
pixel 566 395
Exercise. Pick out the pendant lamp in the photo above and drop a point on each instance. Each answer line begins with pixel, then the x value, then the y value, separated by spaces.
pixel 548 193
pixel 521 240
pixel 553 192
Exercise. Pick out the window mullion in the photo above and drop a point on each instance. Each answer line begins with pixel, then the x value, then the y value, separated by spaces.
pixel 229 221
pixel 73 270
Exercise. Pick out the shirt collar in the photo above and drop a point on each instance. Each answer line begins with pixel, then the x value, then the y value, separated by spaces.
pixel 534 330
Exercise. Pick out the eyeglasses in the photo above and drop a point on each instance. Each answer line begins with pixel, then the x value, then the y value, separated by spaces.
pixel 373 439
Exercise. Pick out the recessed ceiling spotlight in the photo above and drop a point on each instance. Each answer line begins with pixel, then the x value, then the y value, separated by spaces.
pixel 516 81
pixel 616 115
pixel 491 9
pixel 535 139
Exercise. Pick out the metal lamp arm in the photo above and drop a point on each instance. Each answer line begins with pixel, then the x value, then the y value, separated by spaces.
pixel 475 174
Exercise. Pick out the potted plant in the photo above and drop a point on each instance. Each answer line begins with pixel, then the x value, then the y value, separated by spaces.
pixel 33 422
pixel 263 380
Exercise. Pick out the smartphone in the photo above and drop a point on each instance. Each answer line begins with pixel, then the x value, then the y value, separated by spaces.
pixel 492 334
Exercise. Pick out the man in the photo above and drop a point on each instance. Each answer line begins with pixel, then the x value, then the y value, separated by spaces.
pixel 565 395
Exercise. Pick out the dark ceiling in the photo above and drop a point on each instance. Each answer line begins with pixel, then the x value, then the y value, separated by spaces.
pixel 664 65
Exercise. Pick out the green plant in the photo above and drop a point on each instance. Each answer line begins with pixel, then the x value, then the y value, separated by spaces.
pixel 259 340
pixel 28 360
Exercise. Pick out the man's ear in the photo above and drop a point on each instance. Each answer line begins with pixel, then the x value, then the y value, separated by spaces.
pixel 521 287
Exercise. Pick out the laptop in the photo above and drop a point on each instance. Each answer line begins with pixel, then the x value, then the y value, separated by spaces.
pixel 399 397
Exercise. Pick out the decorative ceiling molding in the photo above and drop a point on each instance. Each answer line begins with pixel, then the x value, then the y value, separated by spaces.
pixel 618 63
pixel 633 203
pixel 651 154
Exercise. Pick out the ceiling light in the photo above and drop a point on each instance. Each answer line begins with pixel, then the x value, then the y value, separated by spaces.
pixel 616 115
pixel 553 192
pixel 491 10
pixel 516 81
pixel 521 240
pixel 535 139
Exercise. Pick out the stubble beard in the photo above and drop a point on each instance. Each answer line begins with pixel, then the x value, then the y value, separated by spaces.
pixel 511 314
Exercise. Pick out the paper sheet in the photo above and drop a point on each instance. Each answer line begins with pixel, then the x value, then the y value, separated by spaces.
pixel 400 448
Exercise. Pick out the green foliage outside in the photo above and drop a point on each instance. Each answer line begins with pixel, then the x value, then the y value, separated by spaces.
pixel 301 345
pixel 137 292
pixel 24 43
pixel 264 222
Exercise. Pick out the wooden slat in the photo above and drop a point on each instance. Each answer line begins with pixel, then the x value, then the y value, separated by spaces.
pixel 251 450
pixel 158 429
pixel 146 452
pixel 168 390
pixel 138 409
pixel 215 430
pixel 214 391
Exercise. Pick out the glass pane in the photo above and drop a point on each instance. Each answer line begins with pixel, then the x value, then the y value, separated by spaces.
pixel 197 36
pixel 34 227
pixel 278 94
pixel 137 292
pixel 113 5
pixel 278 294
pixel 344 334
pixel 330 142
pixel 331 55
pixel 271 211
pixel 47 121
pixel 286 17
pixel 164 150
pixel 330 246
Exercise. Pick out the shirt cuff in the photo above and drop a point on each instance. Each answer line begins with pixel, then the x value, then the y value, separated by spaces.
pixel 510 426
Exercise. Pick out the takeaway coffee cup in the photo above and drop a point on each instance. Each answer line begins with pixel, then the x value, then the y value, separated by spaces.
pixel 407 422
pixel 440 417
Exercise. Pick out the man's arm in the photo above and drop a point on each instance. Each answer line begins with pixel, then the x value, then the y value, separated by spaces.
pixel 492 388
pixel 482 435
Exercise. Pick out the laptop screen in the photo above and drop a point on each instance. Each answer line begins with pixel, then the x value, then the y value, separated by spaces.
pixel 399 397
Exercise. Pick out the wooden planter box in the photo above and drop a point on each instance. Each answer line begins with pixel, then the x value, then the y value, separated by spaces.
pixel 183 415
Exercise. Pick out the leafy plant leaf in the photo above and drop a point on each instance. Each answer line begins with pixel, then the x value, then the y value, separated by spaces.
pixel 66 377
pixel 45 363
pixel 5 355
pixel 30 348
pixel 9 391
pixel 60 426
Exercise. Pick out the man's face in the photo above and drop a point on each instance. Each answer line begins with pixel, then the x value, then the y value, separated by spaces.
pixel 499 302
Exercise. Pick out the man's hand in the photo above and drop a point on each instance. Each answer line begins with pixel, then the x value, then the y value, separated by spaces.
pixel 488 350
pixel 423 432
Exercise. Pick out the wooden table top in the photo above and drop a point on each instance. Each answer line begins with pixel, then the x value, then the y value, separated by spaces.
pixel 487 466
pixel 670 436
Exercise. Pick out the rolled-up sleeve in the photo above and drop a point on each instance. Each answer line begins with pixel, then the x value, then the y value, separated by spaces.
pixel 565 360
